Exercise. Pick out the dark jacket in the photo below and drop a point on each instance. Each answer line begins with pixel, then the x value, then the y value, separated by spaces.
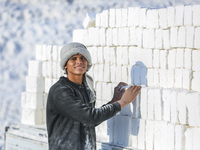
pixel 71 121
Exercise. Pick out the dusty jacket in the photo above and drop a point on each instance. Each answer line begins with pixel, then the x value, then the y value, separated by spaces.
pixel 71 121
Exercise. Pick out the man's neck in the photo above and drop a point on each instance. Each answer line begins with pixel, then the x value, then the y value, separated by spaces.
pixel 75 79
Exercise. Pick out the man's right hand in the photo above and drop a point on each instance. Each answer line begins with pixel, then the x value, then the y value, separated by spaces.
pixel 129 95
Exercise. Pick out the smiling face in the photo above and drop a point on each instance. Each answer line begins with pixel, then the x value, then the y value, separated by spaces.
pixel 76 65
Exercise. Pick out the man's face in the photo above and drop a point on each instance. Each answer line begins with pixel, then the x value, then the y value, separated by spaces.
pixel 76 65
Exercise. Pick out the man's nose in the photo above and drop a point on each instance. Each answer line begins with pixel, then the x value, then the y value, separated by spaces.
pixel 79 60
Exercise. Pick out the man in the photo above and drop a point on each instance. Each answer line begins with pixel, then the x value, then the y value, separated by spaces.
pixel 71 112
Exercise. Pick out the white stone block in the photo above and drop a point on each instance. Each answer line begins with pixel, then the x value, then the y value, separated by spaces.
pixel 179 137
pixel 134 135
pixel 166 41
pixel 102 36
pixel 150 129
pixel 158 39
pixel 93 34
pixel 143 17
pixel 172 59
pixel 187 78
pixel 96 73
pixel 49 69
pixel 152 18
pixel 136 75
pixel 156 77
pixel 171 16
pixel 139 33
pixel 170 78
pixel 118 73
pixel 166 104
pixel 178 78
pixel 150 106
pixel 98 20
pixel 189 134
pixel 181 107
pixel 78 35
pixel 196 11
pixel 94 53
pixel 115 36
pixel 179 58
pixel 124 56
pixel 158 105
pixel 148 42
pixel 44 52
pixel 110 129
pixel 100 55
pixel 127 131
pixel 190 37
pixel 146 58
pixel 163 59
pixel 143 103
pixel 135 108
pixel 109 35
pixel 162 18
pixel 197 37
pixel 54 81
pixel 59 71
pixel 104 19
pixel 188 59
pixel 188 16
pixel 150 77
pixel 59 49
pixel 196 81
pixel 123 36
pixel 132 38
pixel 106 91
pixel 174 111
pixel 118 17
pixel 106 73
pixel 129 74
pixel 181 37
pixel 141 134
pixel 106 56
pixel 125 74
pixel 38 52
pixel 179 15
pixel 48 84
pixel 112 55
pixel 99 90
pixel 156 58
pixel 49 52
pixel 133 16
pixel 174 37
pixel 54 69
pixel 170 136
pixel 124 17
pixel 113 73
pixel 35 68
pixel 31 116
pixel 32 100
pixel 119 55
pixel 134 55
pixel 196 60
pixel 43 116
pixel 196 143
pixel 159 136
pixel 101 72
pixel 112 18
pixel 118 134
pixel 55 53
pixel 34 84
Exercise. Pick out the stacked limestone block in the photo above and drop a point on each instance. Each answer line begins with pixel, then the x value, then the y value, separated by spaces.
pixel 156 48
pixel 42 73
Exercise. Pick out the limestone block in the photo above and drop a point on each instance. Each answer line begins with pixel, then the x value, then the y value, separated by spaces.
pixel 101 72
pixel 127 131
pixel 143 17
pixel 135 108
pixel 119 134
pixel 192 104
pixel 196 143
pixel 54 81
pixel 139 33
pixel 150 130
pixel 125 74
pixel 178 78
pixel 158 105
pixel 59 71
pixel 104 19
pixel 35 68
pixel 171 16
pixel 93 34
pixel 54 69
pixel 99 90
pixel 124 56
pixel 49 52
pixel 170 136
pixel 113 73
pixel 48 84
pixel 162 18
pixel 91 72
pixel 124 13
pixel 133 16
pixel 106 73
pixel 102 36
pixel 156 58
pixel 134 135
pixel 34 84
pixel 136 75
pixel 166 41
pixel 166 104
pixel 188 16
pixel 96 73
pixel 148 42
pixel 170 78
pixel 158 38
pixel 109 35
pixel 110 131
pixel 150 77
pixel 163 59
pixel 196 11
pixel 31 116
pixel 146 59
pixel 118 17
pixel 55 53
pixel 179 58
pixel 174 37
pixel 106 91
pixel 98 20
pixel 187 78
pixel 98 103
pixel 43 116
pixel 100 55
pixel 115 36
pixel 78 35
pixel 118 73
pixel 189 134
pixel 141 134
pixel 150 106
pixel 174 111
pixel 181 107
pixel 134 55
pixel 179 15
pixel 156 77
pixel 152 18
pixel 196 81
pixel 112 18
pixel 59 49
pixel 44 52
pixel 188 59
pixel 94 53
pixel 38 52
pixel 143 102
pixel 172 59
pixel 181 37
pixel 49 69
pixel 196 60
pixel 32 100
pixel 132 38
pixel 190 37
pixel 197 37
pixel 123 36
pixel 179 137
pixel 112 55
pixel 119 55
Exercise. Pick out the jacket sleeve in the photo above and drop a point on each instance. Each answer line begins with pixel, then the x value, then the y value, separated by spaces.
pixel 67 104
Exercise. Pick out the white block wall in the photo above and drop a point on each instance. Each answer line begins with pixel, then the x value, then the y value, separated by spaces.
pixel 156 48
